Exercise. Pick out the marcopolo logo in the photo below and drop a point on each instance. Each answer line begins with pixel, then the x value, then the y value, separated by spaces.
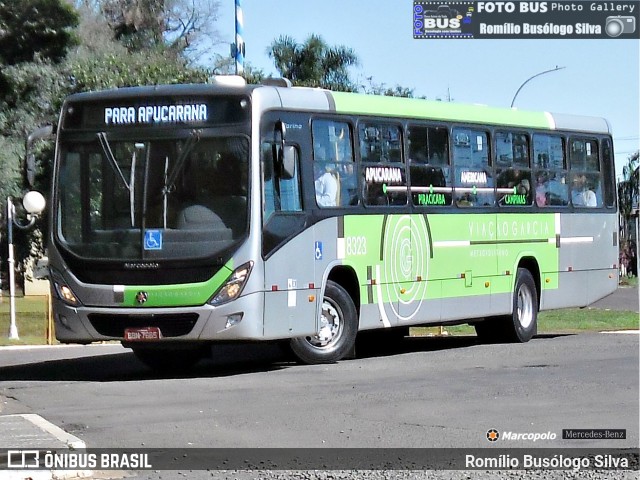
pixel 493 436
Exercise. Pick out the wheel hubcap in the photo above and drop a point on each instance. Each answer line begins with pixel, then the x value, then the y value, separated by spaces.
pixel 331 326
pixel 525 307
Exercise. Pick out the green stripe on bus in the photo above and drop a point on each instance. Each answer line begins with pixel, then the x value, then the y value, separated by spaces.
pixel 419 257
pixel 432 110
pixel 180 295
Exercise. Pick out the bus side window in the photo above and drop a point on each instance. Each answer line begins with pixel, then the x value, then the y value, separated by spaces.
pixel 383 175
pixel 608 170
pixel 335 180
pixel 584 165
pixel 429 165
pixel 514 173
pixel 474 183
pixel 279 194
pixel 550 172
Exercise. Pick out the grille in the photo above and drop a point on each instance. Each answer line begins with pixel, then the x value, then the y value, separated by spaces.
pixel 175 325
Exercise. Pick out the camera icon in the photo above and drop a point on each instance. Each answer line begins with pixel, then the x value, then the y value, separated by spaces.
pixel 616 26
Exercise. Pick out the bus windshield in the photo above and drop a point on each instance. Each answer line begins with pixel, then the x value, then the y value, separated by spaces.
pixel 151 199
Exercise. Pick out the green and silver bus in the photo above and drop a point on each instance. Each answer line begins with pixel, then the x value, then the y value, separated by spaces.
pixel 186 215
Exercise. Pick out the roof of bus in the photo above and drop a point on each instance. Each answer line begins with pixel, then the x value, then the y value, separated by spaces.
pixel 315 99
pixel 434 110
pixel 376 105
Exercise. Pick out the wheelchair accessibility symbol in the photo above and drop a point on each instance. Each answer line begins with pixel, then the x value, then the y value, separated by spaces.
pixel 318 250
pixel 153 239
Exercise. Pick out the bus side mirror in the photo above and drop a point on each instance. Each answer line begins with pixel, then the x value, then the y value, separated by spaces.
pixel 41 133
pixel 288 162
pixel 285 156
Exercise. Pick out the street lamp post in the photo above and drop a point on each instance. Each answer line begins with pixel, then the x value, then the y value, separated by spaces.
pixel 531 78
pixel 33 203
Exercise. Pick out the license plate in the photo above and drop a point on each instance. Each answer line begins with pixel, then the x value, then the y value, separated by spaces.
pixel 145 334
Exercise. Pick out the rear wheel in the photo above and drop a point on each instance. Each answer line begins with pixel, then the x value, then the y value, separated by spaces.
pixel 336 335
pixel 522 324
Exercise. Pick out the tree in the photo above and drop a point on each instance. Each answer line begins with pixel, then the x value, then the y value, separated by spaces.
pixel 126 70
pixel 176 26
pixel 314 63
pixel 30 28
pixel 628 187
pixel 226 66
pixel 102 62
pixel 33 96
pixel 381 89
pixel 10 152
pixel 628 198
pixel 32 91
pixel 35 36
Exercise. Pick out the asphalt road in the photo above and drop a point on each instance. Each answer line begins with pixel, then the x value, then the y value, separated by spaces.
pixel 427 392
pixel 424 392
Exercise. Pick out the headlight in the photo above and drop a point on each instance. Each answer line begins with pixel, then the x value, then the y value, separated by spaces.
pixel 63 290
pixel 232 288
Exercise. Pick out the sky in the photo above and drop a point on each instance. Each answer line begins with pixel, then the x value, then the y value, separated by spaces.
pixel 600 78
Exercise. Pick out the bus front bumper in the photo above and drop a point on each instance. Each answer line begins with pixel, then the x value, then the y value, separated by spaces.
pixel 237 320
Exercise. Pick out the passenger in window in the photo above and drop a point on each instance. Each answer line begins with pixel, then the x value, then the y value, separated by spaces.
pixel 465 200
pixel 326 186
pixel 581 194
pixel 511 178
pixel 348 184
pixel 541 190
pixel 523 187
pixel 518 180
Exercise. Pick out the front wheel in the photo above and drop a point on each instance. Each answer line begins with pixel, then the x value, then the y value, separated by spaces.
pixel 522 324
pixel 336 335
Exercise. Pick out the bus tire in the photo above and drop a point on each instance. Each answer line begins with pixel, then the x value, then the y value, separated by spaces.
pixel 338 328
pixel 522 324
pixel 169 359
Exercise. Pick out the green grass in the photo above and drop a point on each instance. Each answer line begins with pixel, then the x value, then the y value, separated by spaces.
pixel 25 304
pixel 31 321
pixel 567 320
pixel 629 281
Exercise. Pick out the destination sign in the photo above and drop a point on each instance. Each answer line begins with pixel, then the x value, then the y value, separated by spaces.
pixel 156 114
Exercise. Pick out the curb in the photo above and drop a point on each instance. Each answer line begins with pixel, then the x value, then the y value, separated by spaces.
pixel 33 435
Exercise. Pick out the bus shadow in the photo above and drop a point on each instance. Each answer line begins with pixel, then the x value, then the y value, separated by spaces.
pixel 426 344
pixel 226 360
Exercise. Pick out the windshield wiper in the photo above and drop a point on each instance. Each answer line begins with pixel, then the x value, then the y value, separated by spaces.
pixel 106 148
pixel 191 142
